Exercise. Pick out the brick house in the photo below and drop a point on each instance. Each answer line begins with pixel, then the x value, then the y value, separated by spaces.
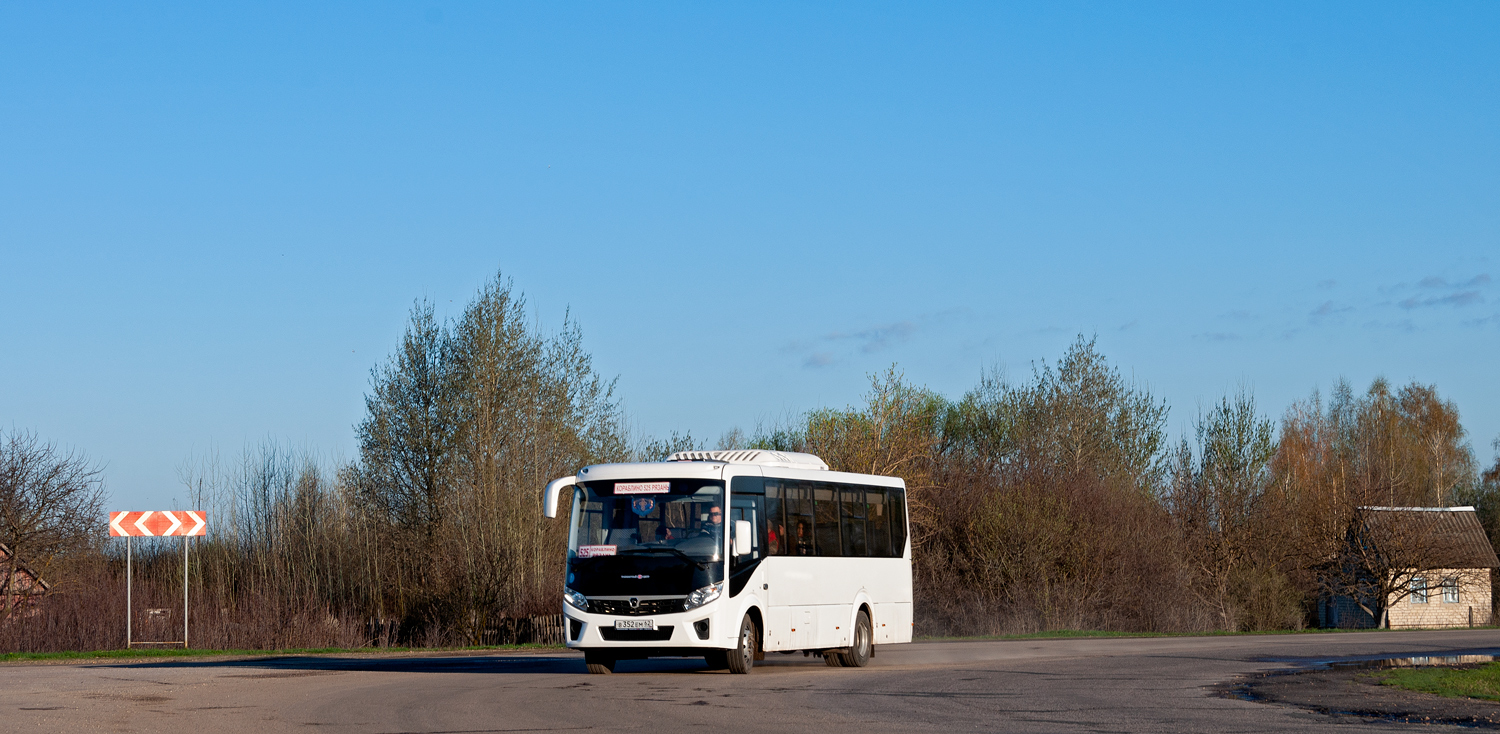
pixel 1447 583
pixel 25 586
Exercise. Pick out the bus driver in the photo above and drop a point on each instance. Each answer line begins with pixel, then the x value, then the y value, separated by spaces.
pixel 715 526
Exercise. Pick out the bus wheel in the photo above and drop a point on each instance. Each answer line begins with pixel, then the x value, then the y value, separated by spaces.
pixel 833 659
pixel 599 663
pixel 742 657
pixel 863 647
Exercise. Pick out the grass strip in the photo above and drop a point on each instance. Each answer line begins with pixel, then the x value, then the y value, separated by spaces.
pixel 196 652
pixel 1479 682
pixel 1059 634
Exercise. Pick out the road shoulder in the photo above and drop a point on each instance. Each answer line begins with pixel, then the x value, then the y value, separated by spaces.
pixel 1357 693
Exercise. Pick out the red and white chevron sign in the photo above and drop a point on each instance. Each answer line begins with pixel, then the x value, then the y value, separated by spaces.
pixel 158 524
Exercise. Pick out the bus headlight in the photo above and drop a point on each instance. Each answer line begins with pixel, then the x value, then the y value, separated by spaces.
pixel 703 596
pixel 576 599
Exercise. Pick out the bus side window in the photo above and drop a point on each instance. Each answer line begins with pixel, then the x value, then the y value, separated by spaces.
pixel 799 517
pixel 776 540
pixel 853 516
pixel 877 522
pixel 826 519
pixel 897 506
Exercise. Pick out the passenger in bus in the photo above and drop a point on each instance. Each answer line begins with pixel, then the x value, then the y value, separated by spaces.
pixel 804 542
pixel 773 539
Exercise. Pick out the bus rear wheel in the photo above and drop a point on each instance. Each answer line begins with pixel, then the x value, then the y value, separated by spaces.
pixel 863 647
pixel 742 657
pixel 599 663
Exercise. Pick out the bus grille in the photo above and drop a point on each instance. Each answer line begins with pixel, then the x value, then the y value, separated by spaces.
pixel 647 606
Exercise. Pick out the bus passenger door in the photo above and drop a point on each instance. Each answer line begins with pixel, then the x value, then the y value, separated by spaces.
pixel 778 632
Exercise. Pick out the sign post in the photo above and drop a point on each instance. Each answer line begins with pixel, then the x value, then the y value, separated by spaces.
pixel 185 523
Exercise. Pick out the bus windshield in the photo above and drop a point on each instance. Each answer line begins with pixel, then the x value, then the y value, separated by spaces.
pixel 663 536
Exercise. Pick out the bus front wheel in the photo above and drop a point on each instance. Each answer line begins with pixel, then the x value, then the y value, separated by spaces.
pixel 599 663
pixel 742 657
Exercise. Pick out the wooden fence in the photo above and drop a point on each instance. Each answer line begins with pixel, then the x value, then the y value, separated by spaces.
pixel 546 629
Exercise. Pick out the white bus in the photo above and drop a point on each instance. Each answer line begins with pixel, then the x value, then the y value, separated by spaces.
pixel 815 561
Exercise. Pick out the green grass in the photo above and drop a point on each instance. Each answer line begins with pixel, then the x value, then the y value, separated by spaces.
pixel 137 653
pixel 1481 682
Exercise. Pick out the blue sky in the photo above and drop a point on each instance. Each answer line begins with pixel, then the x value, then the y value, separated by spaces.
pixel 214 219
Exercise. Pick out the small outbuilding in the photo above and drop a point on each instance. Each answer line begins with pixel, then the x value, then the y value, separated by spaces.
pixel 1432 564
pixel 22 588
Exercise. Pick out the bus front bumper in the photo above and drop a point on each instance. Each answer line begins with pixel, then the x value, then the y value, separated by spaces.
pixel 696 629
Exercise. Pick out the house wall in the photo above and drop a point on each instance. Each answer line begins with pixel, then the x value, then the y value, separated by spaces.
pixel 1341 612
pixel 24 590
pixel 1473 594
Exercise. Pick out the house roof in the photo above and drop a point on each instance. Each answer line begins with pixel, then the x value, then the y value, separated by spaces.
pixel 1457 538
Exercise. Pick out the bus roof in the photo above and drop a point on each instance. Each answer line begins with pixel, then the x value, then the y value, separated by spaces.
pixel 760 457
pixel 713 464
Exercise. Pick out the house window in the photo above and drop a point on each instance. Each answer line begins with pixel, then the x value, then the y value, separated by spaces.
pixel 1450 590
pixel 1419 589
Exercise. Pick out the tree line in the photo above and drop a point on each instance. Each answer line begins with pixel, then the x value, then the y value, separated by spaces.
pixel 1054 501
pixel 1059 501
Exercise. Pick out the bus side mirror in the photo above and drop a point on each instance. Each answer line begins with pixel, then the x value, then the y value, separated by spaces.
pixel 549 497
pixel 742 531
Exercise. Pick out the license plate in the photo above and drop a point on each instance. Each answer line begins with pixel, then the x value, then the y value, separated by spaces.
pixel 635 624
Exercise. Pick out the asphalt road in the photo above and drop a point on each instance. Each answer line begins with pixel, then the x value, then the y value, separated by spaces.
pixel 1135 685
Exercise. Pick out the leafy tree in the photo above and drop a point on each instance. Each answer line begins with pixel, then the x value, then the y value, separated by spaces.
pixel 464 424
pixel 1219 499
pixel 1048 509
pixel 408 437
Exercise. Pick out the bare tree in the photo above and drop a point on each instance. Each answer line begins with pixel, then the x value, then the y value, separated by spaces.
pixel 51 505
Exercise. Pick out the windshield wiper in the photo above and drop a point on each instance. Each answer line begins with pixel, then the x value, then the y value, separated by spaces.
pixel 684 556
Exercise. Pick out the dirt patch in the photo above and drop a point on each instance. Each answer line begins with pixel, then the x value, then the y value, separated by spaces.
pixel 1357 693
pixel 132 697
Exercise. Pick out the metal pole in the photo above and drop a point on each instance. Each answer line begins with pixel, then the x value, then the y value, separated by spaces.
pixel 127 592
pixel 184 592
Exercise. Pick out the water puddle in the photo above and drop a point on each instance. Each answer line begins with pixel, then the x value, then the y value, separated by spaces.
pixel 1471 656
